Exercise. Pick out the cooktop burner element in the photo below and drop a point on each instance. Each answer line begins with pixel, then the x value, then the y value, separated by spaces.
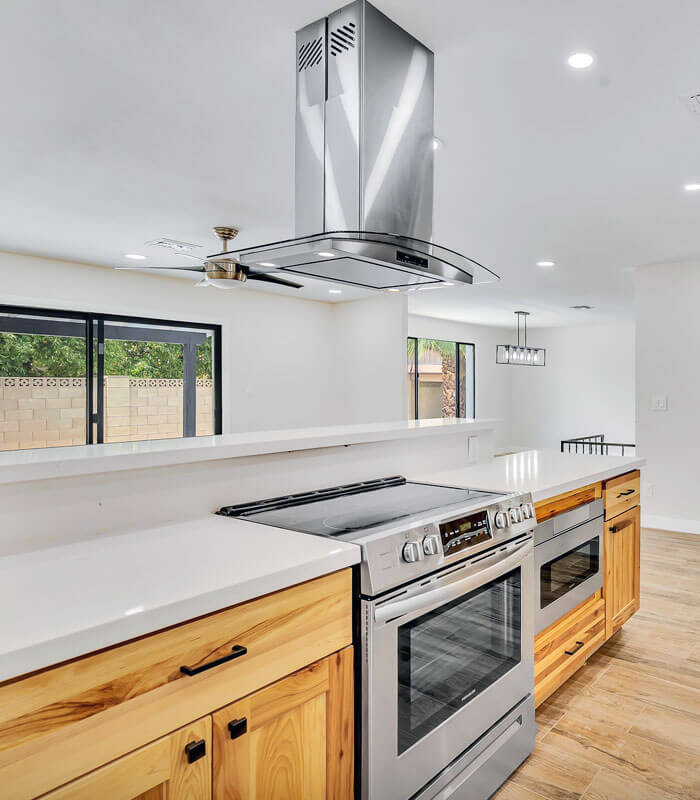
pixel 344 510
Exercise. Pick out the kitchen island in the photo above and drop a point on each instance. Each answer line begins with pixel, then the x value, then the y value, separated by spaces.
pixel 210 621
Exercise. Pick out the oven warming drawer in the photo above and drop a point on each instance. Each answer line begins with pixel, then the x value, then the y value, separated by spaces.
pixel 481 769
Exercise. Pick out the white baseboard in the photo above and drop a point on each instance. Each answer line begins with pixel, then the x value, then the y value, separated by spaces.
pixel 670 523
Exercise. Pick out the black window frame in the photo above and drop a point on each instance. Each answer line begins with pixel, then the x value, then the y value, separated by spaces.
pixel 94 412
pixel 458 377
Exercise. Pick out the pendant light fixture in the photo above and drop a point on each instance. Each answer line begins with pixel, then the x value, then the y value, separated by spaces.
pixel 520 354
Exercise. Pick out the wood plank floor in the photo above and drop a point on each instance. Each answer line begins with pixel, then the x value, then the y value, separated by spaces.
pixel 627 725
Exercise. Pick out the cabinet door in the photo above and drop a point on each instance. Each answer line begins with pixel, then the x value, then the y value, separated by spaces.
pixel 176 767
pixel 290 741
pixel 622 554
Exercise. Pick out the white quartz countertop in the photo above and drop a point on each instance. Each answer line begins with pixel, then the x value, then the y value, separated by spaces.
pixel 543 473
pixel 64 462
pixel 66 601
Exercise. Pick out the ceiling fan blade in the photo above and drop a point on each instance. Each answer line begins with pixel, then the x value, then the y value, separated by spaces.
pixel 262 276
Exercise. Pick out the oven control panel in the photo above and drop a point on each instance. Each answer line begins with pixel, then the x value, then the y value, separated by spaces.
pixel 463 532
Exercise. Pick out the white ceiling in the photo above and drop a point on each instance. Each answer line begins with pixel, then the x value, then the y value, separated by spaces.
pixel 124 121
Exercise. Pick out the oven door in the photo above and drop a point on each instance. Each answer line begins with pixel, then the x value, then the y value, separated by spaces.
pixel 443 661
pixel 568 570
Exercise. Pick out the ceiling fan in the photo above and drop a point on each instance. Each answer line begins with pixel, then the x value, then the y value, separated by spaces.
pixel 224 272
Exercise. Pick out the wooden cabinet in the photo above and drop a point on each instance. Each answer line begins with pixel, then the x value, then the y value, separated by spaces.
pixel 176 767
pixel 621 493
pixel 621 580
pixel 126 706
pixel 291 740
pixel 563 647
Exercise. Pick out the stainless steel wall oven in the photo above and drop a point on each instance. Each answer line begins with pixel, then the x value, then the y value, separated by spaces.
pixel 568 561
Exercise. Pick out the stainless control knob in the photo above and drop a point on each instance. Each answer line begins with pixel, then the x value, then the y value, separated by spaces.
pixel 431 545
pixel 526 511
pixel 501 519
pixel 412 551
pixel 533 513
pixel 515 515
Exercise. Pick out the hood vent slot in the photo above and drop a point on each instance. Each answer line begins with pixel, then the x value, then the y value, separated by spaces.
pixel 310 54
pixel 342 38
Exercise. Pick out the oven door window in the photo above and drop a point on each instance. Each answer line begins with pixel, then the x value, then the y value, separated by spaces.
pixel 568 570
pixel 449 655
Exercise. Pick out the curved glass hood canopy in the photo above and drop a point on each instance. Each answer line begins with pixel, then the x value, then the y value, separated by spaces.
pixel 363 258
pixel 364 161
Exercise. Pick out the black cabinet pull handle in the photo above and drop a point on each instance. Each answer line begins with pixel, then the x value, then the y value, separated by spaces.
pixel 624 494
pixel 237 652
pixel 195 750
pixel 614 529
pixel 237 727
pixel 573 650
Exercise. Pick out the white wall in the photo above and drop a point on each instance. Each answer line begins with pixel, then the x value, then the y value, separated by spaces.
pixel 587 386
pixel 667 298
pixel 493 392
pixel 369 355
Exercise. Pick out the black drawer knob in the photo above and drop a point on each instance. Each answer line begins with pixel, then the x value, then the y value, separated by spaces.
pixel 237 727
pixel 195 750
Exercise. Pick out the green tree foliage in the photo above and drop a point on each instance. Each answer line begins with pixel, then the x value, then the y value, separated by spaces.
pixel 39 356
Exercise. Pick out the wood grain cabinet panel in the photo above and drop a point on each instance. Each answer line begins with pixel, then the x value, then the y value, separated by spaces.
pixel 158 771
pixel 69 720
pixel 289 741
pixel 621 584
pixel 621 493
pixel 545 509
pixel 563 647
pixel 56 697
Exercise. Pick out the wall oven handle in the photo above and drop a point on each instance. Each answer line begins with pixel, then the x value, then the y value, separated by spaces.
pixel 504 563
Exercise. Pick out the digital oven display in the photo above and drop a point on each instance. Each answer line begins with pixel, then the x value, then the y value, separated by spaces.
pixel 458 534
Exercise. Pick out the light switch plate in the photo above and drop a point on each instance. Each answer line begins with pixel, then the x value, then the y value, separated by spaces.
pixel 659 402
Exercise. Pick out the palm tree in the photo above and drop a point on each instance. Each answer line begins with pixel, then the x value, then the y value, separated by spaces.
pixel 445 351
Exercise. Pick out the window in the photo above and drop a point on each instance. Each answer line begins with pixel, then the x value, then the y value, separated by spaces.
pixel 440 379
pixel 72 378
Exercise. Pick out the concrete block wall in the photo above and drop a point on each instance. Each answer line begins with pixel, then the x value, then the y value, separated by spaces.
pixel 50 412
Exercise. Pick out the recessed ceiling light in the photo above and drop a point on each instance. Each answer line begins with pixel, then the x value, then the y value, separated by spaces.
pixel 266 264
pixel 335 291
pixel 393 290
pixel 323 254
pixel 545 263
pixel 692 187
pixel 448 283
pixel 580 60
pixel 135 256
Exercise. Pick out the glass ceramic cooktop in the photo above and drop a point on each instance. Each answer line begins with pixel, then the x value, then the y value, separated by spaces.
pixel 345 510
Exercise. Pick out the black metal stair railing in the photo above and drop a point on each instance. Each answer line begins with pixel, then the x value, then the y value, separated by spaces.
pixel 594 445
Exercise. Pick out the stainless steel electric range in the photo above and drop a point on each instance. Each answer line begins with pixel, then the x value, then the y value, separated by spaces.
pixel 446 629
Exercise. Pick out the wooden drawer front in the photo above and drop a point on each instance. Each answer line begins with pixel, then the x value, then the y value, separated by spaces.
pixel 545 509
pixel 311 618
pixel 621 493
pixel 563 647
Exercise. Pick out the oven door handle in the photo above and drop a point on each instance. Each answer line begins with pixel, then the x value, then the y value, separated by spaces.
pixel 425 600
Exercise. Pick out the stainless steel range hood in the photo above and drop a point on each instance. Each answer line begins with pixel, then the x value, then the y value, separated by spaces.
pixel 364 160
